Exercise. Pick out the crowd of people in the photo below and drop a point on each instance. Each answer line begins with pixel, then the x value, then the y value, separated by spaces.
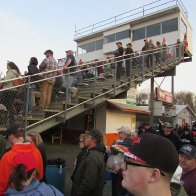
pixel 144 162
pixel 50 83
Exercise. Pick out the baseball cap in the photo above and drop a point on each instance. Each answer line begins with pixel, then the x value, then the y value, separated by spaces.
pixel 124 129
pixel 95 133
pixel 154 151
pixel 118 42
pixel 25 158
pixel 189 150
pixel 69 51
pixel 48 51
pixel 167 125
pixel 15 129
pixel 129 44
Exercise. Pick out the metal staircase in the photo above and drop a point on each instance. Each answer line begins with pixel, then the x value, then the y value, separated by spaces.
pixel 91 92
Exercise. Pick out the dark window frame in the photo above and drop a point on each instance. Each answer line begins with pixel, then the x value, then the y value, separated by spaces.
pixel 169 25
pixel 138 37
pixel 153 30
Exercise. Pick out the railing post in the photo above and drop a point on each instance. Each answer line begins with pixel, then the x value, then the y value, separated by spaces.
pixel 28 86
pixel 94 86
pixel 115 77
pixel 67 97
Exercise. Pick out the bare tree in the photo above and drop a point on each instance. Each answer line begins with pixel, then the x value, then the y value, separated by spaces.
pixel 186 98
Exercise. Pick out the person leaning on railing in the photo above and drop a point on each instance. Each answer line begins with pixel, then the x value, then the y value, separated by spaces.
pixel 9 94
pixel 48 64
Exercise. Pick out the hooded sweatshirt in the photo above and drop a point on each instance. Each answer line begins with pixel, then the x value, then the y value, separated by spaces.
pixel 6 163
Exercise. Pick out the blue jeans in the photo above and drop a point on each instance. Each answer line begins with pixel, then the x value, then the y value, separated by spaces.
pixel 31 90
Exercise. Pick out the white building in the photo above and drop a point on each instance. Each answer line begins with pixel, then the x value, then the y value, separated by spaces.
pixel 153 21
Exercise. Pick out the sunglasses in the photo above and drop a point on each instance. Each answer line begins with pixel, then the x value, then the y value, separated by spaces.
pixel 139 165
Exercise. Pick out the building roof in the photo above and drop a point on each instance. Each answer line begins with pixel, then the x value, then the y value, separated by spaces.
pixel 180 108
pixel 127 107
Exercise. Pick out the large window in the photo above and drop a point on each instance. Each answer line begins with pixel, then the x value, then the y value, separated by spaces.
pixel 82 49
pixel 170 25
pixel 153 30
pixel 183 27
pixel 139 33
pixel 90 47
pixel 99 44
pixel 122 35
pixel 109 38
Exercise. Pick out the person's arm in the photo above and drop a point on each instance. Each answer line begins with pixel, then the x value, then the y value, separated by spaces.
pixel 43 65
pixel 5 170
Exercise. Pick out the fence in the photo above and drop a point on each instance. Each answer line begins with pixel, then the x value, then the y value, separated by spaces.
pixel 77 85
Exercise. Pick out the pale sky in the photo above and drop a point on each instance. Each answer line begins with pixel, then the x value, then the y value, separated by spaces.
pixel 29 27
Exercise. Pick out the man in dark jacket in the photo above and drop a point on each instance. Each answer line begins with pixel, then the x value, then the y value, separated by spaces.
pixel 167 132
pixel 88 179
pixel 119 61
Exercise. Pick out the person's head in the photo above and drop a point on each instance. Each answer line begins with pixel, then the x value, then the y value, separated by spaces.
pixel 81 141
pixel 12 65
pixel 158 43
pixel 167 128
pixel 187 157
pixel 48 53
pixel 129 45
pixel 119 44
pixel 146 125
pixel 69 52
pixel 33 61
pixel 23 170
pixel 15 134
pixel 150 164
pixel 123 132
pixel 146 41
pixel 93 137
pixel 35 138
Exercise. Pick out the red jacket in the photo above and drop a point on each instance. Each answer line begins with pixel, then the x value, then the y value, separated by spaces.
pixel 6 162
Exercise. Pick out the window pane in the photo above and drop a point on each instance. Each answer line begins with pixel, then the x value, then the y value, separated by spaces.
pixel 82 49
pixel 99 44
pixel 153 30
pixel 170 25
pixel 139 33
pixel 183 27
pixel 122 35
pixel 109 38
pixel 90 47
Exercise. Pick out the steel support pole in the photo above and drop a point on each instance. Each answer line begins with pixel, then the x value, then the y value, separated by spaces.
pixel 151 100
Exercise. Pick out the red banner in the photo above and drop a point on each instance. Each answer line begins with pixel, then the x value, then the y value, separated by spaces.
pixel 164 96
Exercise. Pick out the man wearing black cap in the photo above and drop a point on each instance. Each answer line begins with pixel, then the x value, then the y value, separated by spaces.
pixel 88 178
pixel 167 132
pixel 149 166
pixel 70 82
pixel 187 159
pixel 16 136
pixel 48 64
pixel 128 56
pixel 119 61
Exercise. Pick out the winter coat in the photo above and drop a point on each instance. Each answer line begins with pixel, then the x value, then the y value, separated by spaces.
pixel 6 162
pixel 88 178
pixel 36 188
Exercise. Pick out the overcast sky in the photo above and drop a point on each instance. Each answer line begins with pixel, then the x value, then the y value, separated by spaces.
pixel 29 27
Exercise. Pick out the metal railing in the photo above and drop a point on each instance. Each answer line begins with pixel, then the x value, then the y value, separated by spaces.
pixel 80 85
pixel 130 15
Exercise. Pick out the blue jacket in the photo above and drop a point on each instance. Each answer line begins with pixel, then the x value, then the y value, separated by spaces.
pixel 36 188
